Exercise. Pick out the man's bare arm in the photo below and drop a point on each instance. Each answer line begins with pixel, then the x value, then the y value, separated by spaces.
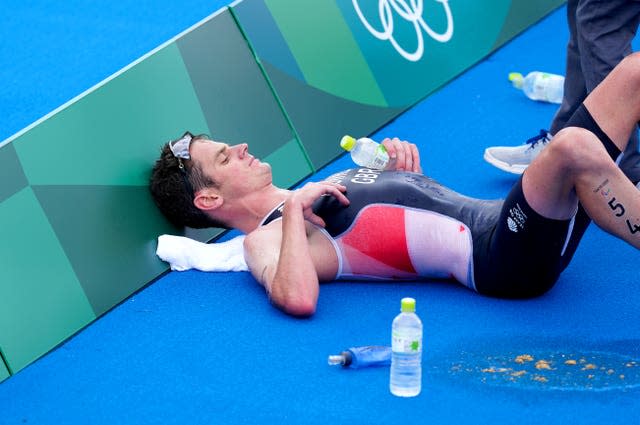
pixel 281 258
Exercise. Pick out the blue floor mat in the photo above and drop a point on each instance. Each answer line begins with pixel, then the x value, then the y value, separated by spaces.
pixel 201 348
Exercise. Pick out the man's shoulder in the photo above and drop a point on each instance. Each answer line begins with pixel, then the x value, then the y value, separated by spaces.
pixel 272 233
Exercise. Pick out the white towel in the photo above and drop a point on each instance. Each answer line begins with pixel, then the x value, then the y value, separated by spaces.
pixel 185 253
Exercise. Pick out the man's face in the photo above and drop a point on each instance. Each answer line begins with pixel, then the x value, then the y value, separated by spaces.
pixel 234 170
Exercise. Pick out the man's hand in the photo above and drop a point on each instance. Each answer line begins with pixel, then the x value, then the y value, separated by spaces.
pixel 307 195
pixel 404 156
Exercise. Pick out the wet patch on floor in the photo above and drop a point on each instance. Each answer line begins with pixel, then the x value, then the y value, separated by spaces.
pixel 544 365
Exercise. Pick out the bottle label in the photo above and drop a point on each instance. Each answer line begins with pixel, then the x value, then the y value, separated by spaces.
pixel 405 342
pixel 548 87
pixel 380 159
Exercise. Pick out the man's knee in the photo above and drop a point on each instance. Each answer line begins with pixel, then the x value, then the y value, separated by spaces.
pixel 630 66
pixel 578 149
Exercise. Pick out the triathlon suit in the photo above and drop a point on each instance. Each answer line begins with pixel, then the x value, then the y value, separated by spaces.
pixel 402 225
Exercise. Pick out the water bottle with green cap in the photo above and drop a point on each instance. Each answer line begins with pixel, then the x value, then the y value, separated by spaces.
pixel 366 152
pixel 406 351
pixel 538 85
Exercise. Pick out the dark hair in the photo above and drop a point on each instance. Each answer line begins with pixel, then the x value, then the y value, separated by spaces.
pixel 173 188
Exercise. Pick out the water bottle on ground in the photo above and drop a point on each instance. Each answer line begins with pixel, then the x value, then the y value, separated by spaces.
pixel 539 85
pixel 406 355
pixel 365 152
pixel 359 357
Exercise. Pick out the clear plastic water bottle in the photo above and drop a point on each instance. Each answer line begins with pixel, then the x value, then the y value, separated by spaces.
pixel 406 351
pixel 539 85
pixel 365 152
pixel 359 357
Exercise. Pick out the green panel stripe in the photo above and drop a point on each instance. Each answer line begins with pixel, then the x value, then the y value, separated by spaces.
pixel 237 101
pixel 41 300
pixel 109 236
pixel 329 31
pixel 322 119
pixel 268 81
pixel 112 135
pixel 260 30
pixel 12 178
pixel 4 371
pixel 289 164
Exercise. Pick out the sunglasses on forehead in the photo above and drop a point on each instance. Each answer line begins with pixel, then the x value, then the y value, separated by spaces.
pixel 180 149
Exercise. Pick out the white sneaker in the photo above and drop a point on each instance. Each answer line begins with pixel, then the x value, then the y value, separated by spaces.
pixel 515 159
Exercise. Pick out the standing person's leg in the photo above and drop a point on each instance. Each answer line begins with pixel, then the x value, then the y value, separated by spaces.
pixel 515 159
pixel 604 32
pixel 575 90
pixel 579 167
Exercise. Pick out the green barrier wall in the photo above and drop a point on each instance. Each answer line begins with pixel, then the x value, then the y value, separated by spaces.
pixel 73 195
pixel 82 225
pixel 337 69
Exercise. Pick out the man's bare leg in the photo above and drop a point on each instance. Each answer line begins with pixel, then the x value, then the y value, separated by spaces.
pixel 576 166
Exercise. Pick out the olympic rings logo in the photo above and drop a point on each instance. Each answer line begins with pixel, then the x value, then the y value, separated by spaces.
pixel 411 11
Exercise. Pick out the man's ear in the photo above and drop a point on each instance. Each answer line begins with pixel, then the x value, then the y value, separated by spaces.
pixel 208 200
